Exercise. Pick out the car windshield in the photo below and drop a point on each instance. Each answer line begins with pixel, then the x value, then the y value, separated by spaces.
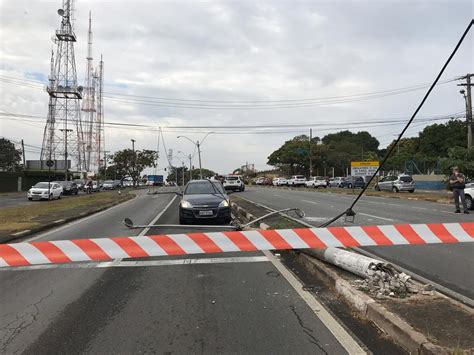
pixel 42 185
pixel 406 179
pixel 201 187
pixel 231 178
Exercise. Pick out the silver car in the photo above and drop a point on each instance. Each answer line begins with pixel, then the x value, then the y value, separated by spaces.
pixel 396 183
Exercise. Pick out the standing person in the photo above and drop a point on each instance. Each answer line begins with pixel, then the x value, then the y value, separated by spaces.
pixel 457 182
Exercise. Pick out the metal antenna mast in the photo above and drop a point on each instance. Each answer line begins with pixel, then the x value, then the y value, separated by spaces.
pixel 100 134
pixel 65 94
pixel 88 104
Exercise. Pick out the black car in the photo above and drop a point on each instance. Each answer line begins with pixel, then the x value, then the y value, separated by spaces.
pixel 204 201
pixel 69 187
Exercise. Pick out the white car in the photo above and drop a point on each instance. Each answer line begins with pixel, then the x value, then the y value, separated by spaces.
pixel 336 182
pixel 297 180
pixel 234 183
pixel 469 192
pixel 41 191
pixel 317 181
pixel 280 182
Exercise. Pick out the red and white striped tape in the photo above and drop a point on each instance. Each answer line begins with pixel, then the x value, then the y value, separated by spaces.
pixel 99 249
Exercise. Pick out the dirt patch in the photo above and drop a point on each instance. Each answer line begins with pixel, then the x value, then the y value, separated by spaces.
pixel 37 213
pixel 441 321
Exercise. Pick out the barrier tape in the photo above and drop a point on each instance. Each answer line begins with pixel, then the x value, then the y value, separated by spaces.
pixel 101 249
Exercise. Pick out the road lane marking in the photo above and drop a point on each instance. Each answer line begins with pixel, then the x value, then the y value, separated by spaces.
pixel 419 208
pixel 374 216
pixel 276 195
pixel 314 203
pixel 341 335
pixel 145 263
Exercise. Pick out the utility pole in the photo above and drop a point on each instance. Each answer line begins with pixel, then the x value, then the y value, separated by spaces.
pixel 468 98
pixel 134 161
pixel 310 157
pixel 105 163
pixel 190 168
pixel 23 153
pixel 65 130
pixel 199 154
pixel 182 171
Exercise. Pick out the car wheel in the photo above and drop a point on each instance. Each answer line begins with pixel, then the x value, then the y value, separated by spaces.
pixel 59 196
pixel 469 203
pixel 394 189
pixel 50 197
pixel 29 198
pixel 377 188
pixel 411 191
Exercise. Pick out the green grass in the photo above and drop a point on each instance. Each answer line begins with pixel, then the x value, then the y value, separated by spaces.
pixel 40 212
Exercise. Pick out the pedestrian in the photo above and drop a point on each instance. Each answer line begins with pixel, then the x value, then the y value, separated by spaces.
pixel 457 182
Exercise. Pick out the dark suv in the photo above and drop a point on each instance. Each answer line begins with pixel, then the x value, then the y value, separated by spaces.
pixel 353 182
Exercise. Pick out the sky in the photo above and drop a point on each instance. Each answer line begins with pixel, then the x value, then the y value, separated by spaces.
pixel 207 57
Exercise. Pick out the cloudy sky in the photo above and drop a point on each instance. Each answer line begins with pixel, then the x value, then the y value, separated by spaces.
pixel 222 64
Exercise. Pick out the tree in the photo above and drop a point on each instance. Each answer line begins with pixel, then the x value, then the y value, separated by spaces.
pixel 460 157
pixel 10 157
pixel 195 173
pixel 129 163
pixel 436 139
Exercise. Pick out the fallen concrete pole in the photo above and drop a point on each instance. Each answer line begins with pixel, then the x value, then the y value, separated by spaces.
pixel 357 264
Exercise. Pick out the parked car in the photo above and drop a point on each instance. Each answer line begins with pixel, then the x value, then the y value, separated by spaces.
pixel 336 182
pixel 234 183
pixel 204 200
pixel 353 182
pixel 80 183
pixel 396 183
pixel 108 185
pixel 117 184
pixel 469 192
pixel 45 191
pixel 297 180
pixel 127 182
pixel 69 187
pixel 317 181
pixel 280 182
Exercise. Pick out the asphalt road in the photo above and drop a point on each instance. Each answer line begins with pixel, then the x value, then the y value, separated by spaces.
pixel 450 265
pixel 208 307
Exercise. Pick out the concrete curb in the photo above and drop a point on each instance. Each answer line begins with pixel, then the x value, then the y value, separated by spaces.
pixel 395 327
pixel 59 222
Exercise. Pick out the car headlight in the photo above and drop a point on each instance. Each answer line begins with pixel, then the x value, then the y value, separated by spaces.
pixel 186 204
pixel 224 203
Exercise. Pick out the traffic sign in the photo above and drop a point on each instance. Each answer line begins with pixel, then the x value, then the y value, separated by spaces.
pixel 364 168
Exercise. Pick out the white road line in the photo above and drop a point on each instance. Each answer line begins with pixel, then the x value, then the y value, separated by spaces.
pixel 373 216
pixel 314 203
pixel 342 336
pixel 143 263
pixel 276 195
pixel 419 208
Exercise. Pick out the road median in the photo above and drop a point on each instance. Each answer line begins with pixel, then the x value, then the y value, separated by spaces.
pixel 20 221
pixel 429 196
pixel 428 323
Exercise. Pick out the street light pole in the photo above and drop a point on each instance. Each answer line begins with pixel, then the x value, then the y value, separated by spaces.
pixel 468 98
pixel 65 130
pixel 134 161
pixel 198 145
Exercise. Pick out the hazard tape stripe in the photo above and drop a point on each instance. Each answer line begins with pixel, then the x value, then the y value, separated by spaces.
pixel 98 249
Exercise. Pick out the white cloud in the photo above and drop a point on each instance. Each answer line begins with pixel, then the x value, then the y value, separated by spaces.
pixel 235 51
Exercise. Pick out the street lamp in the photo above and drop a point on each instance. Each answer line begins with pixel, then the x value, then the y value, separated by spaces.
pixel 198 145
pixel 190 164
pixel 134 161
